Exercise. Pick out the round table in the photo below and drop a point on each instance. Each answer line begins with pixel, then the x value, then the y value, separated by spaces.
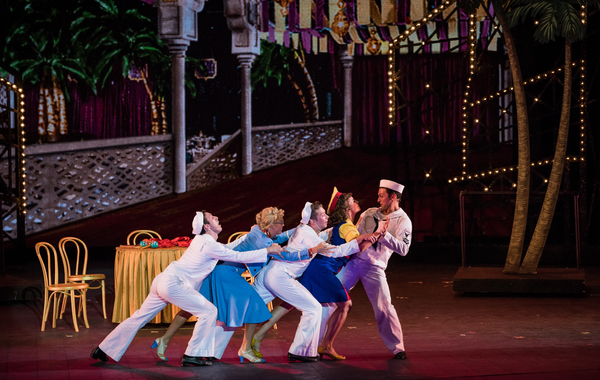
pixel 135 269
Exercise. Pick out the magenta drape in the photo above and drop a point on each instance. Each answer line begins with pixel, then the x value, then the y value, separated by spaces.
pixel 121 109
pixel 433 88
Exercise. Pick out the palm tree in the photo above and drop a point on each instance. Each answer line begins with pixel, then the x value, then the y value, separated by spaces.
pixel 517 236
pixel 556 19
pixel 40 48
pixel 120 39
pixel 276 61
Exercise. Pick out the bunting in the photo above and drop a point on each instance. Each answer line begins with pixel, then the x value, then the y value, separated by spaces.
pixel 369 26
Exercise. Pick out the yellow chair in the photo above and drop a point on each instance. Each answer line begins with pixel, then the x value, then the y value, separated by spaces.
pixel 54 289
pixel 78 272
pixel 246 274
pixel 236 235
pixel 136 233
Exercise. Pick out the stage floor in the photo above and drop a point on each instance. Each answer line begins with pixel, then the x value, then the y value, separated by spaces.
pixel 448 335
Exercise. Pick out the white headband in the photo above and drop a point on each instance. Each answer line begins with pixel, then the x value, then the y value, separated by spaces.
pixel 306 213
pixel 197 223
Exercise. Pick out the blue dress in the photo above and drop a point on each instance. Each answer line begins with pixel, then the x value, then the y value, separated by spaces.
pixel 320 279
pixel 235 299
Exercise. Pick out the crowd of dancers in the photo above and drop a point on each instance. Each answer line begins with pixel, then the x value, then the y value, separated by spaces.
pixel 325 257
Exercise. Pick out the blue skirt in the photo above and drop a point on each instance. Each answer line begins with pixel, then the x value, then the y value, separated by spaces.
pixel 320 279
pixel 235 299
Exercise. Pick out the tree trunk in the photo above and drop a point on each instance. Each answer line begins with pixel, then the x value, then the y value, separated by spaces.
pixel 314 104
pixel 155 130
pixel 52 112
pixel 302 98
pixel 542 228
pixel 517 236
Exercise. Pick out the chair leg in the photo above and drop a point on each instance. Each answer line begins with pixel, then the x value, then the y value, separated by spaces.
pixel 56 301
pixel 103 298
pixel 82 300
pixel 73 310
pixel 46 310
pixel 64 304
pixel 84 303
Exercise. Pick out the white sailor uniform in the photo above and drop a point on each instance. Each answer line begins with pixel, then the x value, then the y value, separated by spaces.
pixel 369 267
pixel 278 279
pixel 179 284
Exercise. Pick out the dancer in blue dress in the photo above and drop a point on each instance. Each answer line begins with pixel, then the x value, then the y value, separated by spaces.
pixel 320 276
pixel 237 302
pixel 320 279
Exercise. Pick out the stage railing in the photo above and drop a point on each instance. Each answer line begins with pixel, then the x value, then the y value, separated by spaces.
pixel 277 144
pixel 67 182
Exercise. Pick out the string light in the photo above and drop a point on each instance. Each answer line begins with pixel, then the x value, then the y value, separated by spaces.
pixel 529 81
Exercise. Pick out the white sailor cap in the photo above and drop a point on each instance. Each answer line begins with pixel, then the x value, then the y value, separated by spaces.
pixel 197 223
pixel 306 213
pixel 386 183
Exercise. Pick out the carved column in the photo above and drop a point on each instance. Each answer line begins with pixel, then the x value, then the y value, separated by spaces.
pixel 178 117
pixel 347 62
pixel 242 19
pixel 177 25
pixel 246 66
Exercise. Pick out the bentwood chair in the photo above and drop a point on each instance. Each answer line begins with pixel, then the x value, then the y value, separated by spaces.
pixel 54 289
pixel 236 235
pixel 246 274
pixel 77 254
pixel 131 239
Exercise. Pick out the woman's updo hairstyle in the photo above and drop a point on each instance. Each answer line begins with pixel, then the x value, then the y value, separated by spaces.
pixel 269 216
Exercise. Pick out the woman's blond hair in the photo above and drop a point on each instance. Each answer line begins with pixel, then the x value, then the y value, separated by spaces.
pixel 268 216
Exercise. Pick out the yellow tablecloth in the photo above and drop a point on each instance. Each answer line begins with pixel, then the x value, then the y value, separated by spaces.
pixel 135 268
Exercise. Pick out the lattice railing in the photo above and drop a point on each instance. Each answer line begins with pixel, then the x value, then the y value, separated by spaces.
pixel 70 181
pixel 220 165
pixel 277 144
pixel 67 182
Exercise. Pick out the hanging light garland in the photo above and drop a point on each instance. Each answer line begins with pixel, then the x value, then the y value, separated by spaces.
pixel 19 143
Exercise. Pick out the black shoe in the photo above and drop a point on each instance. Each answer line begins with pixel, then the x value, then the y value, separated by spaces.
pixel 400 355
pixel 299 358
pixel 187 361
pixel 97 353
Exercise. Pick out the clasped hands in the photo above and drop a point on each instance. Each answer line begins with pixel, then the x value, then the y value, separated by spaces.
pixel 366 240
pixel 275 250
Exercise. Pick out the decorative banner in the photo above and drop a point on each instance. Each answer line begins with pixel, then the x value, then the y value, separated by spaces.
pixel 388 11
pixel 376 14
pixel 418 10
pixel 363 12
pixel 318 25
pixel 452 33
pixel 280 16
pixel 305 13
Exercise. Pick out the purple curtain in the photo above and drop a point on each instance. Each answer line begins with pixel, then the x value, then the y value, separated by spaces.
pixel 370 98
pixel 121 109
pixel 433 86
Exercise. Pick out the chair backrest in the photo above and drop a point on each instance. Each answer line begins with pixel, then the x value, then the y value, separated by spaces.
pixel 79 255
pixel 236 235
pixel 132 240
pixel 49 262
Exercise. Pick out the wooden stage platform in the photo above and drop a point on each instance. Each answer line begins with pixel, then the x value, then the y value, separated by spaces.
pixel 546 281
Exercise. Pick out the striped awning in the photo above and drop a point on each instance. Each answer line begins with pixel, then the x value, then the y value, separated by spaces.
pixel 368 26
